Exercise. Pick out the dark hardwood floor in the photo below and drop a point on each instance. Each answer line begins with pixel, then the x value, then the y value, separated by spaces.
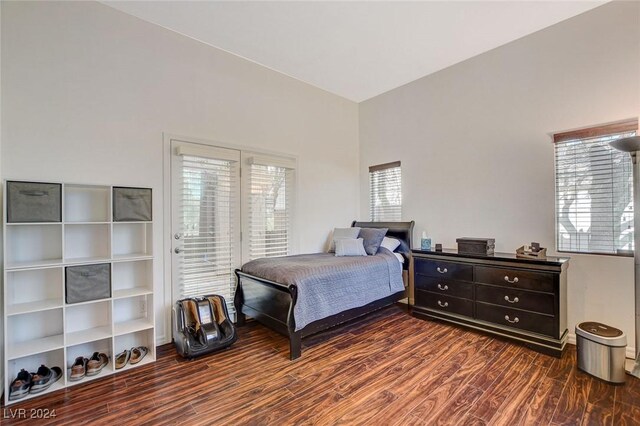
pixel 387 369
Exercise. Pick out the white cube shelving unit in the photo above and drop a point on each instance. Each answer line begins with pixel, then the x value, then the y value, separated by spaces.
pixel 39 326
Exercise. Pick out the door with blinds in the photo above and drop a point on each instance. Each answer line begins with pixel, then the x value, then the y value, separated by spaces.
pixel 205 204
pixel 220 221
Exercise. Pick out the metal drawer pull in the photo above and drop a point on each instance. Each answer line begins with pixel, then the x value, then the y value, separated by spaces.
pixel 445 288
pixel 515 320
pixel 443 305
pixel 513 281
pixel 515 299
pixel 442 271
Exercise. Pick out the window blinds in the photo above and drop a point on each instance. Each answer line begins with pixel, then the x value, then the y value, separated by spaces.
pixel 270 207
pixel 385 192
pixel 594 195
pixel 208 206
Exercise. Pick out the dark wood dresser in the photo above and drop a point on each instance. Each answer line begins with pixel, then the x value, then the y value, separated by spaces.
pixel 520 299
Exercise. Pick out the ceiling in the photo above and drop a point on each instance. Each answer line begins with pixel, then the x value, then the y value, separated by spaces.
pixel 356 49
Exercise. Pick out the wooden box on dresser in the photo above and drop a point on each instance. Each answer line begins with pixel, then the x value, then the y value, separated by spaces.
pixel 520 299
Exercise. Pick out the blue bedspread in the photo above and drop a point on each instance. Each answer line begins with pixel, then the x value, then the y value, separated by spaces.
pixel 327 284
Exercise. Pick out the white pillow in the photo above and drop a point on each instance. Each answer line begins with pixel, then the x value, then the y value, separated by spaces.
pixel 350 247
pixel 400 257
pixel 390 243
pixel 341 234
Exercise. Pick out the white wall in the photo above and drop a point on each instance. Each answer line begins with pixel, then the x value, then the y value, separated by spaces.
pixel 477 159
pixel 87 92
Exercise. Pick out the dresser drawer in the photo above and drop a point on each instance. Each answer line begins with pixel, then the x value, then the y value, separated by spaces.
pixel 448 270
pixel 443 286
pixel 543 303
pixel 523 320
pixel 515 278
pixel 444 303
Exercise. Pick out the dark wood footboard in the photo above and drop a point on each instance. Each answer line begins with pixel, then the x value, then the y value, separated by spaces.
pixel 269 303
pixel 272 303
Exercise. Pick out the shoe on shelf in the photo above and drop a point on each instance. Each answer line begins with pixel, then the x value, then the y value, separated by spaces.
pixel 122 359
pixel 96 363
pixel 43 378
pixel 78 369
pixel 20 386
pixel 138 353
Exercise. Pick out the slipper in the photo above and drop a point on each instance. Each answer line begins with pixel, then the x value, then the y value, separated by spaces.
pixel 138 353
pixel 122 358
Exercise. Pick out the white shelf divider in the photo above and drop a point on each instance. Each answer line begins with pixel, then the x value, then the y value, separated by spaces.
pixel 32 264
pixel 132 326
pixel 131 292
pixel 88 335
pixel 130 257
pixel 40 305
pixel 35 346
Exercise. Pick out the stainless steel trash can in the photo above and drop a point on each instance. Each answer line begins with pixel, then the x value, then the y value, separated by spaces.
pixel 601 351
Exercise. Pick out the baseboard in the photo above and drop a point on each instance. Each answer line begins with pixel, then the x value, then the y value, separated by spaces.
pixel 162 340
pixel 631 352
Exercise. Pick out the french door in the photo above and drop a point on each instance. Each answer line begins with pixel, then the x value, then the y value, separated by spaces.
pixel 205 204
pixel 220 220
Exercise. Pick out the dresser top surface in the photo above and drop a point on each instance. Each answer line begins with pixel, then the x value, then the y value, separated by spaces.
pixel 506 257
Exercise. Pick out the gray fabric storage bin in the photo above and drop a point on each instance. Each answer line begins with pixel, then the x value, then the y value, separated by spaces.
pixel 131 204
pixel 87 282
pixel 34 202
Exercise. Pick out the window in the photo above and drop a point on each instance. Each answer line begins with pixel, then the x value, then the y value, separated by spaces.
pixel 385 192
pixel 594 191
pixel 269 206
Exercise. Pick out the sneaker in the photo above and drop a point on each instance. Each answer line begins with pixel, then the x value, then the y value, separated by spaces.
pixel 96 363
pixel 44 378
pixel 138 353
pixel 20 386
pixel 78 369
pixel 122 359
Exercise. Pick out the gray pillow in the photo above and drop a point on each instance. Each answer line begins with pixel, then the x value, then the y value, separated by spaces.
pixel 372 238
pixel 342 233
pixel 350 247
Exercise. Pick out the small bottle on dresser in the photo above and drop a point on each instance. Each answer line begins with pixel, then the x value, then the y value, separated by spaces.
pixel 425 242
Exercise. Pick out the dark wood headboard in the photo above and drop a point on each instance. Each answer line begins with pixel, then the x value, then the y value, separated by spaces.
pixel 400 230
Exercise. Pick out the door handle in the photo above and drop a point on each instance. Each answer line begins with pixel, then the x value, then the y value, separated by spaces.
pixel 177 250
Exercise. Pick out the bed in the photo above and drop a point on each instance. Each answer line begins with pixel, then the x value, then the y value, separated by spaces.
pixel 298 296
